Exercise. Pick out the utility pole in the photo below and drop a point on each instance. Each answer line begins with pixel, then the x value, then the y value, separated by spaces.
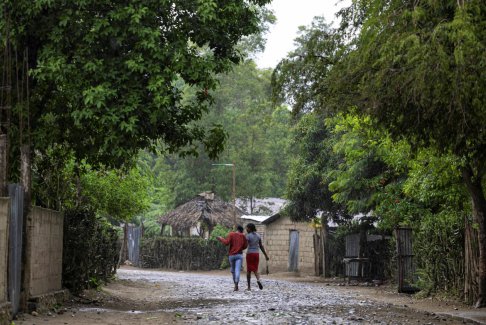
pixel 234 193
pixel 233 189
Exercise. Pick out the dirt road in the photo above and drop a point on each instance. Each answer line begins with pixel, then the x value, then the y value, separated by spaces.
pixel 157 297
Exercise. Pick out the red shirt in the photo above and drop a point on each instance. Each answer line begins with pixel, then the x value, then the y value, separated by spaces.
pixel 236 241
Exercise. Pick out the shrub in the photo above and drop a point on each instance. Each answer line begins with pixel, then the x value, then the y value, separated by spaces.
pixel 90 250
pixel 182 253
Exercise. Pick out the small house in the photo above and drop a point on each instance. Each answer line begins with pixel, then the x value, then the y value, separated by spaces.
pixel 289 244
pixel 199 216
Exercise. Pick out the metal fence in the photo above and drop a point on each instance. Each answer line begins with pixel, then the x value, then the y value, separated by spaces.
pixel 406 267
pixel 351 258
pixel 134 234
pixel 16 194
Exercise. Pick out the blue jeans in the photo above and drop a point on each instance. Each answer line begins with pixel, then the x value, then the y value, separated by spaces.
pixel 235 262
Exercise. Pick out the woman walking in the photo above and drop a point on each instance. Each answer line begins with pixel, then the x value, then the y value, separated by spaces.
pixel 237 243
pixel 253 254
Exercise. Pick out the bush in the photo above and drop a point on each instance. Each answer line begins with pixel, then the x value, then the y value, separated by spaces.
pixel 182 253
pixel 90 250
pixel 219 231
pixel 439 249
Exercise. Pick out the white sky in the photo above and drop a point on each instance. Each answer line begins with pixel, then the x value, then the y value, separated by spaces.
pixel 291 14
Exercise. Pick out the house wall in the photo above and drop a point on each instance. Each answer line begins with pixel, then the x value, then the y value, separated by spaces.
pixel 277 244
pixel 4 217
pixel 44 251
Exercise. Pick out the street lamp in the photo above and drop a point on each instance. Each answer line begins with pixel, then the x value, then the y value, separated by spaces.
pixel 234 189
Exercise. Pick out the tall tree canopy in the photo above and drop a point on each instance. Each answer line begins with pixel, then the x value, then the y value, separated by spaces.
pixel 257 143
pixel 308 177
pixel 419 68
pixel 106 77
pixel 416 71
pixel 300 78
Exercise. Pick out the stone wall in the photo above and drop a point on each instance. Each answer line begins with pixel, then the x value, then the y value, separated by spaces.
pixel 44 251
pixel 277 244
pixel 4 217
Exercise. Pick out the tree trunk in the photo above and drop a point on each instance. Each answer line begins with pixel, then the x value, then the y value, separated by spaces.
pixel 124 247
pixel 317 251
pixel 474 186
pixel 471 257
pixel 26 176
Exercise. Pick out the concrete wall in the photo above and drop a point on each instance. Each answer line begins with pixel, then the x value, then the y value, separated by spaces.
pixel 44 251
pixel 4 219
pixel 277 244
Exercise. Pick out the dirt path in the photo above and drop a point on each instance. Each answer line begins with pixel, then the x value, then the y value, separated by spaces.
pixel 157 297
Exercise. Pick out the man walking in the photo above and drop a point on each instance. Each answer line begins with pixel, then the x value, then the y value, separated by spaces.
pixel 237 243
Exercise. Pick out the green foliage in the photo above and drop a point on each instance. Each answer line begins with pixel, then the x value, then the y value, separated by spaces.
pixel 312 159
pixel 94 282
pixel 90 250
pixel 390 108
pixel 436 180
pixel 438 245
pixel 54 178
pixel 182 253
pixel 358 175
pixel 219 231
pixel 151 228
pixel 255 43
pixel 115 194
pixel 418 68
pixel 420 72
pixel 257 141
pixel 60 183
pixel 293 79
pixel 107 78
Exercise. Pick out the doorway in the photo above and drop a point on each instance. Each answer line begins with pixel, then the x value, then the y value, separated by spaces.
pixel 294 251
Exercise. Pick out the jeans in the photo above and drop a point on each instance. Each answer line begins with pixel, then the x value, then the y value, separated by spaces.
pixel 235 262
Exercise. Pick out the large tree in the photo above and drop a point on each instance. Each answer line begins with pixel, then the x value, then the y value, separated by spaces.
pixel 106 77
pixel 308 177
pixel 257 143
pixel 419 68
pixel 300 81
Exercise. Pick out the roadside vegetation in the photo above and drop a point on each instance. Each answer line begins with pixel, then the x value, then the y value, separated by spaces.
pixel 388 110
pixel 120 112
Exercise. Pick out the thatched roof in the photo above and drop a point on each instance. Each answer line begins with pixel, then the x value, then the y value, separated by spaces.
pixel 205 208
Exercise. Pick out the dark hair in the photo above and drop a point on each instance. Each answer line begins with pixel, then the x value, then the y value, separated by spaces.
pixel 251 227
pixel 239 228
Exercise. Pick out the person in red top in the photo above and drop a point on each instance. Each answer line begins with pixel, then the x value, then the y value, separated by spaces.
pixel 237 243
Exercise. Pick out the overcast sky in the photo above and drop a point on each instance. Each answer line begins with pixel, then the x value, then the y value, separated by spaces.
pixel 291 14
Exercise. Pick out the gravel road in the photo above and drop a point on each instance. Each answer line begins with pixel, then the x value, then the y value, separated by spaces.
pixel 158 297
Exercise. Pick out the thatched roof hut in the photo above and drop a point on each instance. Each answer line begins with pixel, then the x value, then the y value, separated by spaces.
pixel 204 210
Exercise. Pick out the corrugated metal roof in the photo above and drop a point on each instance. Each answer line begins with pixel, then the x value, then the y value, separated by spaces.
pixel 260 219
pixel 261 206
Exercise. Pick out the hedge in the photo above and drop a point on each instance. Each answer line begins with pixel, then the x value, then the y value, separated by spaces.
pixel 186 254
pixel 90 252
